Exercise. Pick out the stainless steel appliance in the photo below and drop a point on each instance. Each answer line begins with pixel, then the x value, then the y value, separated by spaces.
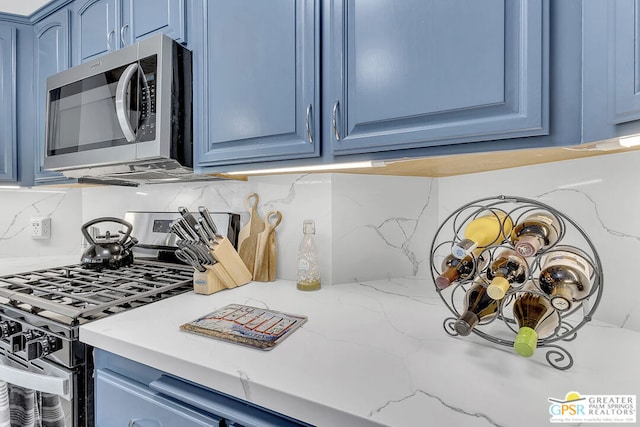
pixel 41 312
pixel 125 116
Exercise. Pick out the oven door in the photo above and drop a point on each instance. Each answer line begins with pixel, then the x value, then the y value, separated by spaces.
pixel 40 389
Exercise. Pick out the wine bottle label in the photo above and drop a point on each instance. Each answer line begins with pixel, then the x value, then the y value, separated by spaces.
pixel 569 259
pixel 463 248
pixel 543 217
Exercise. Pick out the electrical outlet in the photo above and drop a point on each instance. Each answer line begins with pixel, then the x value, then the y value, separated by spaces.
pixel 41 228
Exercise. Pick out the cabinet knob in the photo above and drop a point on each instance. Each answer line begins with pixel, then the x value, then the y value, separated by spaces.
pixel 334 120
pixel 309 124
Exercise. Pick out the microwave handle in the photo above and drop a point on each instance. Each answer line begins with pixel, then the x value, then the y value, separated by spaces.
pixel 38 382
pixel 122 110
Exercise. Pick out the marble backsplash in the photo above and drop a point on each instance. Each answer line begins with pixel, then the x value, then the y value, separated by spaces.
pixel 599 194
pixel 63 206
pixel 367 227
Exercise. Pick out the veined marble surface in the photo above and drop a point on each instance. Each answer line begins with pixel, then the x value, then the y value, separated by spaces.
pixel 371 353
pixel 368 227
pixel 63 206
pixel 599 194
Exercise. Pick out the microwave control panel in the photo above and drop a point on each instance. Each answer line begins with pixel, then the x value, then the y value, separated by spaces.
pixel 147 129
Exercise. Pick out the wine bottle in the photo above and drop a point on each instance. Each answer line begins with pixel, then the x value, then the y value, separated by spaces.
pixel 508 268
pixel 533 313
pixel 478 306
pixel 566 277
pixel 536 232
pixel 454 269
pixel 491 228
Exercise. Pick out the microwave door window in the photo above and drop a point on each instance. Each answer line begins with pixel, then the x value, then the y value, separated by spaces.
pixel 83 114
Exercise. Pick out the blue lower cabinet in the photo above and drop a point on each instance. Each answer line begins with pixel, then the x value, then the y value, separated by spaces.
pixel 130 393
pixel 122 402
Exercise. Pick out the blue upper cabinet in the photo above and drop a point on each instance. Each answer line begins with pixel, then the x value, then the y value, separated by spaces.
pixel 52 55
pixel 611 75
pixel 624 28
pixel 419 73
pixel 97 26
pixel 142 18
pixel 101 26
pixel 261 82
pixel 8 141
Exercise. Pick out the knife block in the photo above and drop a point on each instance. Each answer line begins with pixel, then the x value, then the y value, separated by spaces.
pixel 228 272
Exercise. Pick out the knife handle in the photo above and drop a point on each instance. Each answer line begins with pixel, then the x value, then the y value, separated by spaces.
pixel 206 215
pixel 207 230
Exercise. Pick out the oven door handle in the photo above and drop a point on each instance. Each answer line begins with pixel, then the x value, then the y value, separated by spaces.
pixel 33 381
pixel 122 109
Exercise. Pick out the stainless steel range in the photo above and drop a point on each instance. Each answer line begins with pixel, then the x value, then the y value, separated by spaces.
pixel 41 313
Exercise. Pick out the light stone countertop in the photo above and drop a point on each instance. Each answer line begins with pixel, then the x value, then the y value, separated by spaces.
pixel 371 353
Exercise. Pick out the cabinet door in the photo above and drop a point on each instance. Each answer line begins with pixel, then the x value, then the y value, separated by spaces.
pixel 52 55
pixel 168 17
pixel 8 141
pixel 261 83
pixel 96 29
pixel 416 73
pixel 625 82
pixel 121 402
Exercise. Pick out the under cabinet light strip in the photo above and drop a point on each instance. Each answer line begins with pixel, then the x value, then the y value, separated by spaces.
pixel 314 168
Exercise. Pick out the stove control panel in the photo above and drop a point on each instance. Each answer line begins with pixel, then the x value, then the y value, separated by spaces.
pixel 36 344
pixel 8 328
pixel 43 346
pixel 19 341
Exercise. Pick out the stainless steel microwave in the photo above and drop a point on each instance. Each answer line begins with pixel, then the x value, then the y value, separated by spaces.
pixel 126 115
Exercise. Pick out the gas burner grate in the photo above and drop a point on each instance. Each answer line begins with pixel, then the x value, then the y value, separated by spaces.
pixel 80 293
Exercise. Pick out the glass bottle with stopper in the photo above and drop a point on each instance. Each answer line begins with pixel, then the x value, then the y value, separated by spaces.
pixel 308 270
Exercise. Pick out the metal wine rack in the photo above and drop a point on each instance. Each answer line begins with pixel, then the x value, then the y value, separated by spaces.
pixel 502 328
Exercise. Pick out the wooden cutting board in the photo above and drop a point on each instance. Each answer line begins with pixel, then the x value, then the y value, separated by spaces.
pixel 248 235
pixel 266 250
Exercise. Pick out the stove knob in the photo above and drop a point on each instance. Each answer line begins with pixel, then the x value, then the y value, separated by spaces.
pixel 18 341
pixel 8 328
pixel 43 346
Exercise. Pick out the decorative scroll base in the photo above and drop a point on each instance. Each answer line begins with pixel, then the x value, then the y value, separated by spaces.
pixel 557 356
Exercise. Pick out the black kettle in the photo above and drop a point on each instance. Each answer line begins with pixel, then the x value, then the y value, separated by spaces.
pixel 108 251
